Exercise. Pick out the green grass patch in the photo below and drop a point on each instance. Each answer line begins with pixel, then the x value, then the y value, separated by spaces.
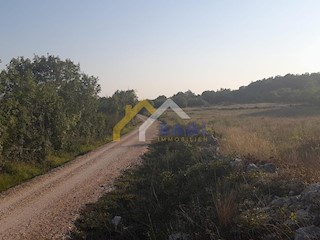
pixel 17 173
pixel 14 173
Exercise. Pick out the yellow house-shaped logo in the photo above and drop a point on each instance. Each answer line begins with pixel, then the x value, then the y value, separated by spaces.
pixel 130 113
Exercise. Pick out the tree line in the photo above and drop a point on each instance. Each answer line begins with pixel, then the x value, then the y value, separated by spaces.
pixel 49 106
pixel 304 88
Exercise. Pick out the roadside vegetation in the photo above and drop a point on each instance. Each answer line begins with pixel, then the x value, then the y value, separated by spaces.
pixel 251 180
pixel 190 191
pixel 50 113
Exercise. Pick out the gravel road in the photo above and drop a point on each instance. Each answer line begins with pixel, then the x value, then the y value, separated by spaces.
pixel 46 206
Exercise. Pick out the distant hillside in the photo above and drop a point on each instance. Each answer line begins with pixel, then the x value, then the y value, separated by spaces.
pixel 285 89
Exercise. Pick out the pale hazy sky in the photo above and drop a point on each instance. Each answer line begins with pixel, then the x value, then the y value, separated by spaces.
pixel 166 46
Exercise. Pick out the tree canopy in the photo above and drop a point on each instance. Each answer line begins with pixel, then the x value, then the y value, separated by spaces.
pixel 48 105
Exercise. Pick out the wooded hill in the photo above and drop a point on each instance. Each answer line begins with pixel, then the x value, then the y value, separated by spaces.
pixel 290 88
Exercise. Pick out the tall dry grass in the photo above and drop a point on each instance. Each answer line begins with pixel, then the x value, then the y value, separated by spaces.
pixel 288 139
pixel 226 207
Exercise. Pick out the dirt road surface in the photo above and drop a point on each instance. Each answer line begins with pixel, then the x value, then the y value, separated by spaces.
pixel 46 206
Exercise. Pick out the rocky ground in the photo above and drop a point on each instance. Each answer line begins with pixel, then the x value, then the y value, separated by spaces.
pixel 298 210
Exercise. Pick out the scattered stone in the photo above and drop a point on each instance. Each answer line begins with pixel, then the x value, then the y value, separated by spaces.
pixel 279 202
pixel 268 167
pixel 116 220
pixel 291 193
pixel 236 163
pixel 303 215
pixel 313 187
pixel 252 167
pixel 294 202
pixel 311 194
pixel 307 233
pixel 295 187
pixel 107 188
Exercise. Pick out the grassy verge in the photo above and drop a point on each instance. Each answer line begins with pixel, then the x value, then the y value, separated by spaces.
pixel 191 191
pixel 15 173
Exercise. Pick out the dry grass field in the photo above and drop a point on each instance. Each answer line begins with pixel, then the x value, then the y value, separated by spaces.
pixel 288 135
